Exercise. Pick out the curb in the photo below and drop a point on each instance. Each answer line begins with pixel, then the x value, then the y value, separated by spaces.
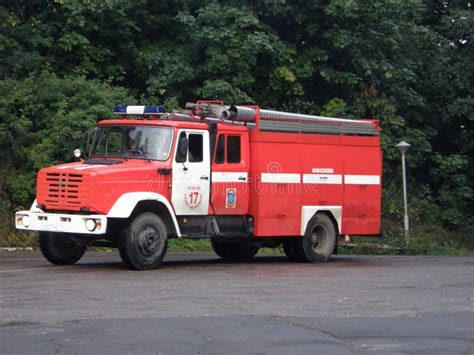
pixel 18 249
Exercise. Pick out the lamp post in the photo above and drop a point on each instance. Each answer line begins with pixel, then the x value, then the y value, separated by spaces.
pixel 403 147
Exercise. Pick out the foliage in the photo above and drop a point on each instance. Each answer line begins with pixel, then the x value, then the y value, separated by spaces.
pixel 188 245
pixel 43 120
pixel 64 64
pixel 423 240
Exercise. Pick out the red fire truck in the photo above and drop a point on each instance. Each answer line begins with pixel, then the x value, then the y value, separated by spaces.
pixel 242 176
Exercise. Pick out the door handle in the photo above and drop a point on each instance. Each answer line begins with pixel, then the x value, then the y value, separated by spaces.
pixel 204 177
pixel 164 171
pixel 243 178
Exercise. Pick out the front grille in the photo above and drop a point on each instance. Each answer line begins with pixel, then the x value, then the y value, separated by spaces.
pixel 63 190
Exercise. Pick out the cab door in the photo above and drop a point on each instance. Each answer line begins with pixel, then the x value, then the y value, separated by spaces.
pixel 230 175
pixel 191 173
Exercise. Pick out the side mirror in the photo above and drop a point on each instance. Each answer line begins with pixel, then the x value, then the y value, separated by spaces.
pixel 182 150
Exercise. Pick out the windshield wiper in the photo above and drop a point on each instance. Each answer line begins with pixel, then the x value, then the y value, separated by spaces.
pixel 103 161
pixel 138 152
pixel 134 152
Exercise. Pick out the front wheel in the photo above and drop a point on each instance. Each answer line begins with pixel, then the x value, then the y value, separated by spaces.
pixel 143 245
pixel 60 248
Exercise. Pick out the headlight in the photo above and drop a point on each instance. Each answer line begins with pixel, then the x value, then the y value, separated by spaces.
pixel 26 221
pixel 90 225
pixel 77 153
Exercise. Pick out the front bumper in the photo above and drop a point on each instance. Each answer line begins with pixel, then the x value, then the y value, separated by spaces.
pixel 57 222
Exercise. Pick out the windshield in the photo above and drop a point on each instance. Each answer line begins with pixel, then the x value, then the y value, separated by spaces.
pixel 143 142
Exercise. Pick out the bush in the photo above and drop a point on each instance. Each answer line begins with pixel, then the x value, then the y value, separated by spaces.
pixel 424 240
pixel 43 120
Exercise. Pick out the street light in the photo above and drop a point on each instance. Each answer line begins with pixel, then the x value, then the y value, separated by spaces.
pixel 403 147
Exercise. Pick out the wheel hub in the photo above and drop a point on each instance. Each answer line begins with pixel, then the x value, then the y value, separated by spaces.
pixel 148 241
pixel 318 238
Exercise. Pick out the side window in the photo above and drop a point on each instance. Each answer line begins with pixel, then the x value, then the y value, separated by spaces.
pixel 220 150
pixel 182 150
pixel 233 149
pixel 195 152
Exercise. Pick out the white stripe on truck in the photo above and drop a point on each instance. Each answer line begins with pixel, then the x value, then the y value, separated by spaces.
pixel 282 178
pixel 229 177
pixel 362 179
pixel 322 179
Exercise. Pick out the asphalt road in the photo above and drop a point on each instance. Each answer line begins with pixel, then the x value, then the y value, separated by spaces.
pixel 197 304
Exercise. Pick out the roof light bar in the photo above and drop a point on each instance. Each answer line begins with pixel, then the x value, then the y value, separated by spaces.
pixel 154 109
pixel 121 109
pixel 138 110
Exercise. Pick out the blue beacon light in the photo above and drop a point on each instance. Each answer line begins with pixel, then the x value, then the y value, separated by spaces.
pixel 154 109
pixel 121 109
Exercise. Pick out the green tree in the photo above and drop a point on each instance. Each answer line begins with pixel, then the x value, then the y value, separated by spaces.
pixel 408 63
pixel 43 120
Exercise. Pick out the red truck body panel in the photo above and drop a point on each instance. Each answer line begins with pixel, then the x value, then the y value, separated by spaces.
pixel 277 207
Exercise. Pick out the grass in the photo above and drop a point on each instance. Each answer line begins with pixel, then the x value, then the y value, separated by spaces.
pixel 204 246
pixel 14 239
pixel 188 245
pixel 424 240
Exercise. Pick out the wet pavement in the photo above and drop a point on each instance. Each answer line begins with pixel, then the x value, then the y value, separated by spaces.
pixel 195 303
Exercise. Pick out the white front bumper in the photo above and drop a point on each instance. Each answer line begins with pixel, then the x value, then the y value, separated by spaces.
pixel 57 222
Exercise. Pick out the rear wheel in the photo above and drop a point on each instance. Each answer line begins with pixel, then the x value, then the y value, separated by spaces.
pixel 234 250
pixel 288 250
pixel 60 248
pixel 296 246
pixel 319 241
pixel 143 245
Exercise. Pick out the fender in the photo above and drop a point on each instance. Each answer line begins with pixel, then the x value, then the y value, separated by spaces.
pixel 34 207
pixel 126 203
pixel 307 212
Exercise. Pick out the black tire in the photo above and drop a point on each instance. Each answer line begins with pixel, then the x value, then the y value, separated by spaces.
pixel 297 249
pixel 60 248
pixel 319 241
pixel 143 245
pixel 234 250
pixel 288 250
